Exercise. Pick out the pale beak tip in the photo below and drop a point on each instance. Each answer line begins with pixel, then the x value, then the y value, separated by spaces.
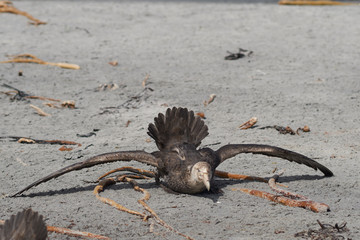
pixel 207 184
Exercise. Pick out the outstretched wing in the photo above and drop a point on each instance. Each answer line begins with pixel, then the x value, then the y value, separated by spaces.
pixel 231 150
pixel 139 156
pixel 24 225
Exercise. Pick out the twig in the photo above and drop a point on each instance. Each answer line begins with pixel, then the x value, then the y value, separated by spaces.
pixel 288 198
pixel 31 140
pixel 248 124
pixel 75 233
pixel 152 212
pixel 7 7
pixel 228 175
pixel 40 111
pixel 144 174
pixel 100 187
pixel 19 94
pixel 307 204
pixel 28 58
pixel 275 188
pixel 317 3
pixel 222 174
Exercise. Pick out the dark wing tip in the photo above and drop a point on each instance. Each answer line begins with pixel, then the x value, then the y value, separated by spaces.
pixel 327 172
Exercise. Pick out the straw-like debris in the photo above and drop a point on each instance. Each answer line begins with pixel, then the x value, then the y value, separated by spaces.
pixel 40 111
pixel 143 84
pixel 38 141
pixel 7 7
pixel 17 94
pixel 28 58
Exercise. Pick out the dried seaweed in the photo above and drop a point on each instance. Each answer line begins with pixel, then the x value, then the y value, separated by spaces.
pixel 326 231
pixel 132 103
pixel 28 58
pixel 7 7
pixel 31 141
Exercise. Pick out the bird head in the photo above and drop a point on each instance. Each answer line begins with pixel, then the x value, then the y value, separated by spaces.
pixel 201 173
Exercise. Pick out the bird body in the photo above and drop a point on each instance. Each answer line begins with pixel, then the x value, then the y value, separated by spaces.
pixel 181 166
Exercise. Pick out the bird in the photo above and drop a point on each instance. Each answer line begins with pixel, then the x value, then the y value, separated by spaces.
pixel 181 166
pixel 25 225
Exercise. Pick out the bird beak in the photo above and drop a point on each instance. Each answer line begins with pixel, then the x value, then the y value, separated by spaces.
pixel 206 181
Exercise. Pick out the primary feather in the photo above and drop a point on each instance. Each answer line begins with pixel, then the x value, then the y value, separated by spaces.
pixel 178 126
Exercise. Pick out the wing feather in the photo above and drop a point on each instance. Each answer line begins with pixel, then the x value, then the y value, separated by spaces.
pixel 139 156
pixel 231 150
pixel 178 126
pixel 25 225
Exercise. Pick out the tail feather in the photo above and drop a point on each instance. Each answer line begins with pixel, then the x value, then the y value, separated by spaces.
pixel 178 126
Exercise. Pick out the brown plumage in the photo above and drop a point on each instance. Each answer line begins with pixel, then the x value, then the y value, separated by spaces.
pixel 25 225
pixel 180 164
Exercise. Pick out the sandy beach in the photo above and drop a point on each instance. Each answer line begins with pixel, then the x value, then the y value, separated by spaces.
pixel 303 70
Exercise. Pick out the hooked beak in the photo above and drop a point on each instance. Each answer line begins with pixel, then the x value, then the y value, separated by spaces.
pixel 206 181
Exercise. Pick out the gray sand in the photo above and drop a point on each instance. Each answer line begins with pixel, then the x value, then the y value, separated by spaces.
pixel 304 71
